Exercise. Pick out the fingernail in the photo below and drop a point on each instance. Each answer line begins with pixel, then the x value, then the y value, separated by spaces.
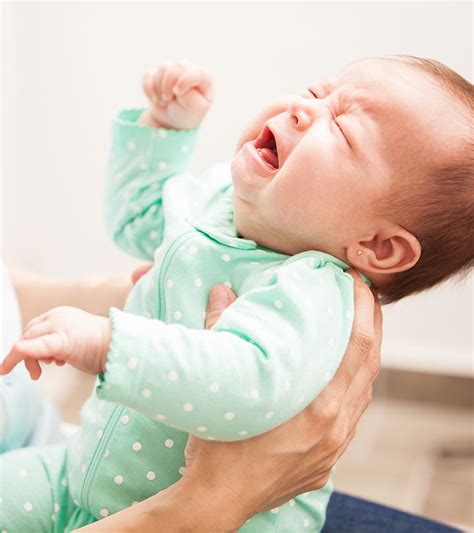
pixel 218 298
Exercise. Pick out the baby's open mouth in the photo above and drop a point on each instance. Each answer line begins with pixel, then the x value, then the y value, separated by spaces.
pixel 267 149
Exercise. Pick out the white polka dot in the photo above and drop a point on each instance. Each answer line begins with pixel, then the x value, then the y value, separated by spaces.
pixel 160 417
pixel 64 482
pixel 132 363
pixel 254 263
pixel 118 480
pixel 254 393
pixel 269 415
pixel 182 470
pixel 125 419
pixel 202 429
pixel 267 272
pixel 136 446
pixel 292 503
pixel 162 133
pixel 185 148
pixel 169 443
pixel 348 313
pixel 131 145
pixel 28 506
pixel 146 393
pixel 330 310
pixel 278 304
pixel 23 472
pixel 177 315
pixel 153 235
pixel 53 518
pixel 188 407
pixel 229 415
pixel 327 376
pixel 225 258
pixel 104 512
pixel 150 475
pixel 243 432
pixel 275 510
pixel 99 434
pixel 211 438
pixel 83 468
pixel 192 249
pixel 213 387
pixel 172 376
pixel 169 283
pixel 198 282
pixel 162 165
pixel 106 453
pixel 306 523
pixel 228 284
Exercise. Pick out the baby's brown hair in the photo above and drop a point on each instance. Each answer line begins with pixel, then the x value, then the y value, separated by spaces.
pixel 442 214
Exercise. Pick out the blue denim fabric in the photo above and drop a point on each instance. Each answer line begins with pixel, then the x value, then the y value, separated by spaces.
pixel 346 514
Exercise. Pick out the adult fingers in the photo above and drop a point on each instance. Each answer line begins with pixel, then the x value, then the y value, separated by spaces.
pixel 140 271
pixel 362 339
pixel 220 298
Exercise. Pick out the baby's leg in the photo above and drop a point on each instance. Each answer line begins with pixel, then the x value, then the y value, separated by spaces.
pixel 34 495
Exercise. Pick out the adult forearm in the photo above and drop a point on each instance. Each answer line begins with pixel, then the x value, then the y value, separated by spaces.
pixel 187 506
pixel 37 294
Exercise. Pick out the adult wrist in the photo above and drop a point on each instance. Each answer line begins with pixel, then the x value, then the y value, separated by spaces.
pixel 208 507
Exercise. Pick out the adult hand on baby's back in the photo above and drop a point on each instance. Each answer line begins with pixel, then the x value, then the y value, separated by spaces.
pixel 264 472
pixel 180 95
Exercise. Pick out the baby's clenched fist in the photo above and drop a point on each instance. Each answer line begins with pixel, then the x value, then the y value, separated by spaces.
pixel 180 94
pixel 63 335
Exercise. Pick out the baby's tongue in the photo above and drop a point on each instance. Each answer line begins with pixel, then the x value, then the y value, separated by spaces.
pixel 269 156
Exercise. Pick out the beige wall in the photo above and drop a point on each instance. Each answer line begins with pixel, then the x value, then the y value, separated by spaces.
pixel 68 67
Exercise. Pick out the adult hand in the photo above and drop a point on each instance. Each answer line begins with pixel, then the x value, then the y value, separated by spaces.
pixel 263 472
pixel 226 483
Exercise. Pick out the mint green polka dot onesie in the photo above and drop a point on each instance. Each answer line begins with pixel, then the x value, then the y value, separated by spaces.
pixel 271 352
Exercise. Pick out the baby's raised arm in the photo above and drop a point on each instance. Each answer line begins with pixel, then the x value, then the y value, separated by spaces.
pixel 148 148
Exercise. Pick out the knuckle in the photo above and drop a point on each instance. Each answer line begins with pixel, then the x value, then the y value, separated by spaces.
pixel 330 409
pixel 364 342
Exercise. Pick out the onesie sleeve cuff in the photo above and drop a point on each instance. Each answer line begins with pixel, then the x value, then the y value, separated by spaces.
pixel 120 382
pixel 157 146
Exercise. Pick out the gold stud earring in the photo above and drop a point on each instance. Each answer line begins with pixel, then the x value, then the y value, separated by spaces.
pixel 359 252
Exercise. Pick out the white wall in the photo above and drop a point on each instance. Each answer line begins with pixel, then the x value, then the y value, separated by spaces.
pixel 68 67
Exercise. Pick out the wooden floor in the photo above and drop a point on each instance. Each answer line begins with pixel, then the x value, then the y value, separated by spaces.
pixel 412 455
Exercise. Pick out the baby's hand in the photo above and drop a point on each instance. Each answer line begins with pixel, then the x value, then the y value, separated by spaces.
pixel 62 335
pixel 180 95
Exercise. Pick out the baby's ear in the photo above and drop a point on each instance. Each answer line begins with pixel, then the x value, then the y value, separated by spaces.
pixel 391 250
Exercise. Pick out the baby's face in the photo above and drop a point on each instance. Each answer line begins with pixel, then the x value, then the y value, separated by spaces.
pixel 339 146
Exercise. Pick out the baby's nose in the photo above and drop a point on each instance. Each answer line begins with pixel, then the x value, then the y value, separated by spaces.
pixel 304 111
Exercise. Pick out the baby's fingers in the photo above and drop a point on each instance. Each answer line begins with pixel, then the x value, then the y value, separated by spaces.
pixel 195 77
pixel 33 368
pixel 44 347
pixel 170 76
